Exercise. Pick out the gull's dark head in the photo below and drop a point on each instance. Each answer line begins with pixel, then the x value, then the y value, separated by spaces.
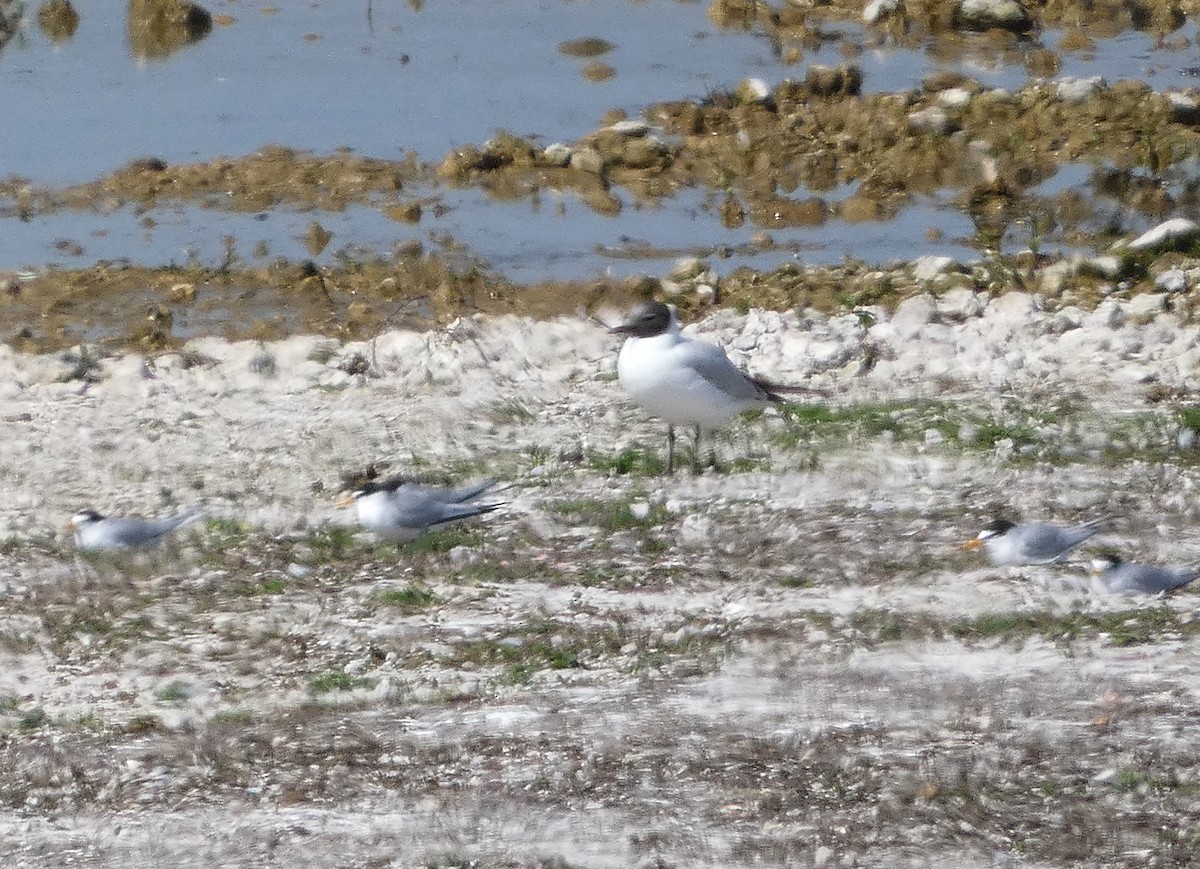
pixel 645 321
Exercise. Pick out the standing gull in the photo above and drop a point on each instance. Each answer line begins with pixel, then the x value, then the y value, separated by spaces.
pixel 400 509
pixel 1007 543
pixel 683 381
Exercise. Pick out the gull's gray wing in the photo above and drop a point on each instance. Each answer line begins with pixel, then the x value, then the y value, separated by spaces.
pixel 709 362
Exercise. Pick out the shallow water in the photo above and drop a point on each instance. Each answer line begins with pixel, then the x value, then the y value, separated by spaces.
pixel 386 78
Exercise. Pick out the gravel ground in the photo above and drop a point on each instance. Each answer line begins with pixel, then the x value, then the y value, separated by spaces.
pixel 784 660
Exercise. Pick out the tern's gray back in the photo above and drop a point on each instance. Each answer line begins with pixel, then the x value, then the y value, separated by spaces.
pixel 1044 542
pixel 1146 579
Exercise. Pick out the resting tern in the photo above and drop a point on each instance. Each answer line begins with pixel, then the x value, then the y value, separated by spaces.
pixel 683 381
pixel 401 509
pixel 1115 576
pixel 95 532
pixel 1030 542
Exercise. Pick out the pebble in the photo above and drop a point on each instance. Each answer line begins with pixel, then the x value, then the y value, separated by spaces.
pixel 984 14
pixel 1172 281
pixel 926 268
pixel 1147 305
pixel 697 530
pixel 932 119
pixel 557 154
pixel 877 9
pixel 914 313
pixel 1076 89
pixel 1174 230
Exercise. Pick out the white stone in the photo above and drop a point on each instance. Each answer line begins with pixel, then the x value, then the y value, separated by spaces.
pixel 631 128
pixel 1076 89
pixel 697 530
pixel 1184 107
pixel 959 304
pixel 954 98
pixel 1052 277
pixel 557 154
pixel 1064 320
pixel 928 267
pixel 1105 265
pixel 1172 281
pixel 1168 231
pixel 1108 314
pixel 1147 305
pixel 753 90
pixel 993 13
pixel 877 9
pixel 913 314
pixel 931 119
pixel 1012 309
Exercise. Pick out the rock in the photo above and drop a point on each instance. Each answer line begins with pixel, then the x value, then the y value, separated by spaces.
pixel 928 267
pixel 986 14
pixel 954 98
pixel 932 119
pixel 1186 439
pixel 828 81
pixel 631 128
pixel 913 314
pixel 697 530
pixel 877 9
pixel 1013 308
pixel 557 154
pixel 587 160
pixel 1147 305
pixel 1064 320
pixel 1108 313
pixel 753 90
pixel 686 268
pixel 1174 231
pixel 1172 281
pixel 1106 266
pixel 1052 277
pixel 1076 89
pixel 959 303
pixel 1185 109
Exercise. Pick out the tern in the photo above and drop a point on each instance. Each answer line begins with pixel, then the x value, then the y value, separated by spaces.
pixel 1115 576
pixel 682 381
pixel 401 509
pixel 1031 542
pixel 94 531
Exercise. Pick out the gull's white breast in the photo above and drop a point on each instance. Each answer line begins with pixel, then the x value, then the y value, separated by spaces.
pixel 685 382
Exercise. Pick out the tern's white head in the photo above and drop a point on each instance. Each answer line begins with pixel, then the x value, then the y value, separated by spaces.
pixel 994 529
pixel 1103 562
